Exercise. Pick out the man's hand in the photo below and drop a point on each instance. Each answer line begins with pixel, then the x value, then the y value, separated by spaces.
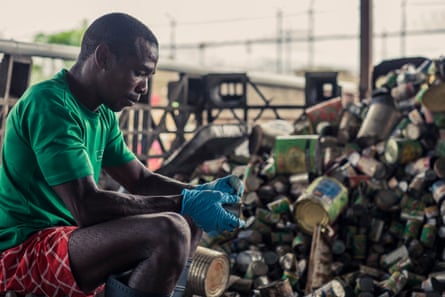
pixel 230 184
pixel 205 207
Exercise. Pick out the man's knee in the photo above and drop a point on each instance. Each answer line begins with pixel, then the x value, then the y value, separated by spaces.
pixel 174 230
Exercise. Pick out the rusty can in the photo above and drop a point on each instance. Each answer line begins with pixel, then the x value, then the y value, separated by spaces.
pixel 209 273
pixel 320 260
pixel 322 203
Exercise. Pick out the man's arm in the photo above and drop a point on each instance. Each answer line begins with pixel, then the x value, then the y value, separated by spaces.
pixel 90 205
pixel 137 179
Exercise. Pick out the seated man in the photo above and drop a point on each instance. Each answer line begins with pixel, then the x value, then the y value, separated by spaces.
pixel 61 235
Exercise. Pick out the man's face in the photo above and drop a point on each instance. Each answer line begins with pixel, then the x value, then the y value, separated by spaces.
pixel 126 79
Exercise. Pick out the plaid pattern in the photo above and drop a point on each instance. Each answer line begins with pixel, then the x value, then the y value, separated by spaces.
pixel 40 265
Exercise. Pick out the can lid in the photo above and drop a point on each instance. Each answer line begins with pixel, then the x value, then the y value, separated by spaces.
pixel 309 212
pixel 433 99
pixel 353 158
pixel 391 151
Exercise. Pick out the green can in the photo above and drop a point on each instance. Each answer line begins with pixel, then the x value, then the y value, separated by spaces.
pixel 402 150
pixel 412 229
pixel 359 246
pixel 322 203
pixel 428 235
pixel 296 154
pixel 279 206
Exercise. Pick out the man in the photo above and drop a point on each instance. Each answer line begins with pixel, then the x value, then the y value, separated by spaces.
pixel 60 235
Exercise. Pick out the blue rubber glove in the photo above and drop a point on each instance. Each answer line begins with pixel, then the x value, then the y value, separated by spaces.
pixel 205 207
pixel 229 184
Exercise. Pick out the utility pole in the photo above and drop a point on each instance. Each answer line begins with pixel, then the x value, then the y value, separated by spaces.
pixel 172 36
pixel 279 41
pixel 366 32
pixel 310 35
pixel 403 29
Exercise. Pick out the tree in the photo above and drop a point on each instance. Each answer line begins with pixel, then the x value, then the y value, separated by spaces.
pixel 41 69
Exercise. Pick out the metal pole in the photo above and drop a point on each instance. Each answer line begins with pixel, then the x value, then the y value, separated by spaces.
pixel 310 37
pixel 403 30
pixel 366 32
pixel 279 41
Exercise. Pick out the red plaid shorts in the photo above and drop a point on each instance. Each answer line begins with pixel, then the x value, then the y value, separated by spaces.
pixel 40 265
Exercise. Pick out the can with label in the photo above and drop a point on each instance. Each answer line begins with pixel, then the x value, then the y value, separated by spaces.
pixel 402 150
pixel 322 203
pixel 296 154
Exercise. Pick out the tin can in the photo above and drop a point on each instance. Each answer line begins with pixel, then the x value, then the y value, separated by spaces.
pixel 359 246
pixel 368 165
pixel 402 264
pixel 395 255
pixel 428 235
pixel 412 229
pixel 327 111
pixel 209 273
pixel 293 277
pixel 333 288
pixel 381 118
pixel 438 191
pixel 296 154
pixel 350 122
pixel 266 216
pixel 322 203
pixel 396 282
pixel 281 237
pixel 279 206
pixel 278 288
pixel 241 285
pixel 256 269
pixel 402 150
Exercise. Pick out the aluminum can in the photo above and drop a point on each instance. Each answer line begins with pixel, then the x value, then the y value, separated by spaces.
pixel 322 203
pixel 209 273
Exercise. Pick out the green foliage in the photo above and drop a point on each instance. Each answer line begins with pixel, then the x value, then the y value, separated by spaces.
pixel 41 69
pixel 71 37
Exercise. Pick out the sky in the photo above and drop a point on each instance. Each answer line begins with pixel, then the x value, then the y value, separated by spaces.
pixel 209 21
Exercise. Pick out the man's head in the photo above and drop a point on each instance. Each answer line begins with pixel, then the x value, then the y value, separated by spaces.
pixel 118 56
pixel 117 30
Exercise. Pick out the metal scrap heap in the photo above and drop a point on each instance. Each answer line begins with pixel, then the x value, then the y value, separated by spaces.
pixel 350 203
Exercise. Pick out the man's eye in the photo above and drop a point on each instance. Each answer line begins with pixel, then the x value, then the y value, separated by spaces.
pixel 141 73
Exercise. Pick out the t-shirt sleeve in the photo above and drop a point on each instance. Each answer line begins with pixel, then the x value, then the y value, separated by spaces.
pixel 56 138
pixel 116 151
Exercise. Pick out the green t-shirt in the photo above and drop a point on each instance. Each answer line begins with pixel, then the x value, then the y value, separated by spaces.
pixel 50 139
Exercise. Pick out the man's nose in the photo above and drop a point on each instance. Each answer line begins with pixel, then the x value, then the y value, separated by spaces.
pixel 142 87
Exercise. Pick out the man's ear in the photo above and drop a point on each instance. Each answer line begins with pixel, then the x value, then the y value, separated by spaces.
pixel 102 56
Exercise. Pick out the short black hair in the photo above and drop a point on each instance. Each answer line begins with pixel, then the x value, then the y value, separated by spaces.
pixel 119 31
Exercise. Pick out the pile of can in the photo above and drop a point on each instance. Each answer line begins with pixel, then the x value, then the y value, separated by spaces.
pixel 350 207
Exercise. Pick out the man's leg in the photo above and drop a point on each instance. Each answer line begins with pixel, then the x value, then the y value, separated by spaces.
pixel 153 247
